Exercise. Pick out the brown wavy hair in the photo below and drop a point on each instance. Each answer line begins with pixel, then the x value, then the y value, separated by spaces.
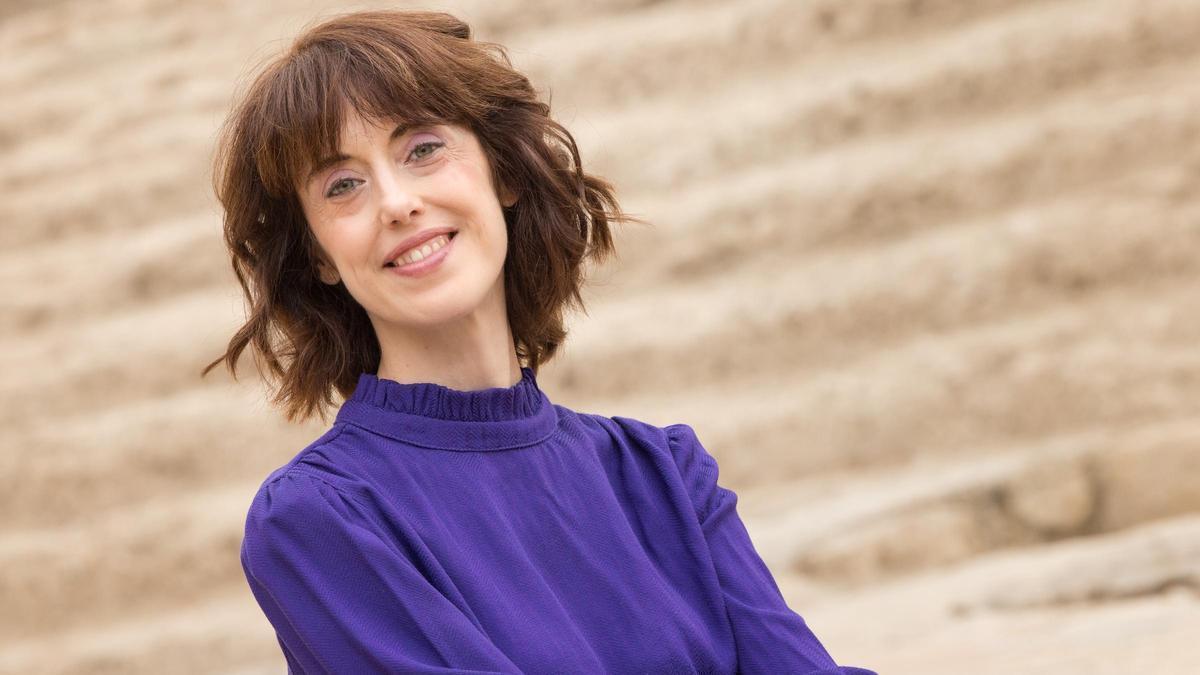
pixel 412 66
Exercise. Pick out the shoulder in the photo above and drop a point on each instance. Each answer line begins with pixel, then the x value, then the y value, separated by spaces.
pixel 308 488
pixel 325 459
pixel 298 508
pixel 615 428
pixel 678 440
pixel 676 448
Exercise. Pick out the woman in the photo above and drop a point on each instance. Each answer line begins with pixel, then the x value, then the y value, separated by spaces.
pixel 409 226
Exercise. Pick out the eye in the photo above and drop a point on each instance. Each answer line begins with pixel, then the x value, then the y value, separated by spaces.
pixel 432 145
pixel 334 189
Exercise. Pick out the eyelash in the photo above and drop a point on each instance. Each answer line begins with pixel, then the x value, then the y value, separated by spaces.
pixel 332 193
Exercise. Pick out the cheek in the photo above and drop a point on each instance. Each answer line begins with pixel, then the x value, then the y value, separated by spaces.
pixel 348 238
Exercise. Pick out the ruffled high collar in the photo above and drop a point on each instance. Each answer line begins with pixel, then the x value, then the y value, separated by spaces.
pixel 435 416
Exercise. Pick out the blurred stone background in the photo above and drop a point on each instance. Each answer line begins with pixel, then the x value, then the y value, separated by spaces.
pixel 922 275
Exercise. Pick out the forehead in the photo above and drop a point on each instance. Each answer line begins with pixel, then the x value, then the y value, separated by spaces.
pixel 353 124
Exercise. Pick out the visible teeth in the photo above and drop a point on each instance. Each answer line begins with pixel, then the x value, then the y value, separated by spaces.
pixel 423 252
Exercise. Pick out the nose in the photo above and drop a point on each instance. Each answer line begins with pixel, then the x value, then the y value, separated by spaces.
pixel 399 201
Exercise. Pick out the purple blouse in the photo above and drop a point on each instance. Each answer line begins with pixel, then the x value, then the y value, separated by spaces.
pixel 435 530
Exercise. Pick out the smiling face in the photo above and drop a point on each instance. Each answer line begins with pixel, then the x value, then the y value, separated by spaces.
pixel 390 183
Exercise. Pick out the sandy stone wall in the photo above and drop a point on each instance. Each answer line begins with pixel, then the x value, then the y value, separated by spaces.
pixel 922 275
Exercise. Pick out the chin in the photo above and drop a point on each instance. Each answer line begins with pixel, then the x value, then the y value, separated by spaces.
pixel 438 307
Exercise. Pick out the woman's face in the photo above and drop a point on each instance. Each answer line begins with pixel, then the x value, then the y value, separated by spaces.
pixel 389 184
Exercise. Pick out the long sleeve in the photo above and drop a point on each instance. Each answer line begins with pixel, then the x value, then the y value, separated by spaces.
pixel 344 600
pixel 769 636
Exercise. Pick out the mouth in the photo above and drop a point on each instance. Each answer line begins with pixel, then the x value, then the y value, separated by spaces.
pixel 418 253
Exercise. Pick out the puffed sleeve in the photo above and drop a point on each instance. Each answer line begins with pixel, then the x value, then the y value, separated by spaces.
pixel 769 636
pixel 341 598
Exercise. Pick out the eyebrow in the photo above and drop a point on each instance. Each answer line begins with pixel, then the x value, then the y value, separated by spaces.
pixel 329 161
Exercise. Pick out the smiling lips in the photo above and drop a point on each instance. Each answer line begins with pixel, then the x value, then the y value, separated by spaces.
pixel 423 260
pixel 420 253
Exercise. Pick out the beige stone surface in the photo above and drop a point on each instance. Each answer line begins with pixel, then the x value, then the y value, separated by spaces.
pixel 923 276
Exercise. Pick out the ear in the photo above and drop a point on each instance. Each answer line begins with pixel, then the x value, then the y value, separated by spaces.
pixel 326 271
pixel 330 275
pixel 507 197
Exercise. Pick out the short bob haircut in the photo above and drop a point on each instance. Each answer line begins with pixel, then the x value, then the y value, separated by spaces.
pixel 419 67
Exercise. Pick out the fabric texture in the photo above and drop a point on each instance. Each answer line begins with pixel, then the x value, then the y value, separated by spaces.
pixel 434 530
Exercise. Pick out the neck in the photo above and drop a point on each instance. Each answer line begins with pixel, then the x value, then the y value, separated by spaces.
pixel 473 352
